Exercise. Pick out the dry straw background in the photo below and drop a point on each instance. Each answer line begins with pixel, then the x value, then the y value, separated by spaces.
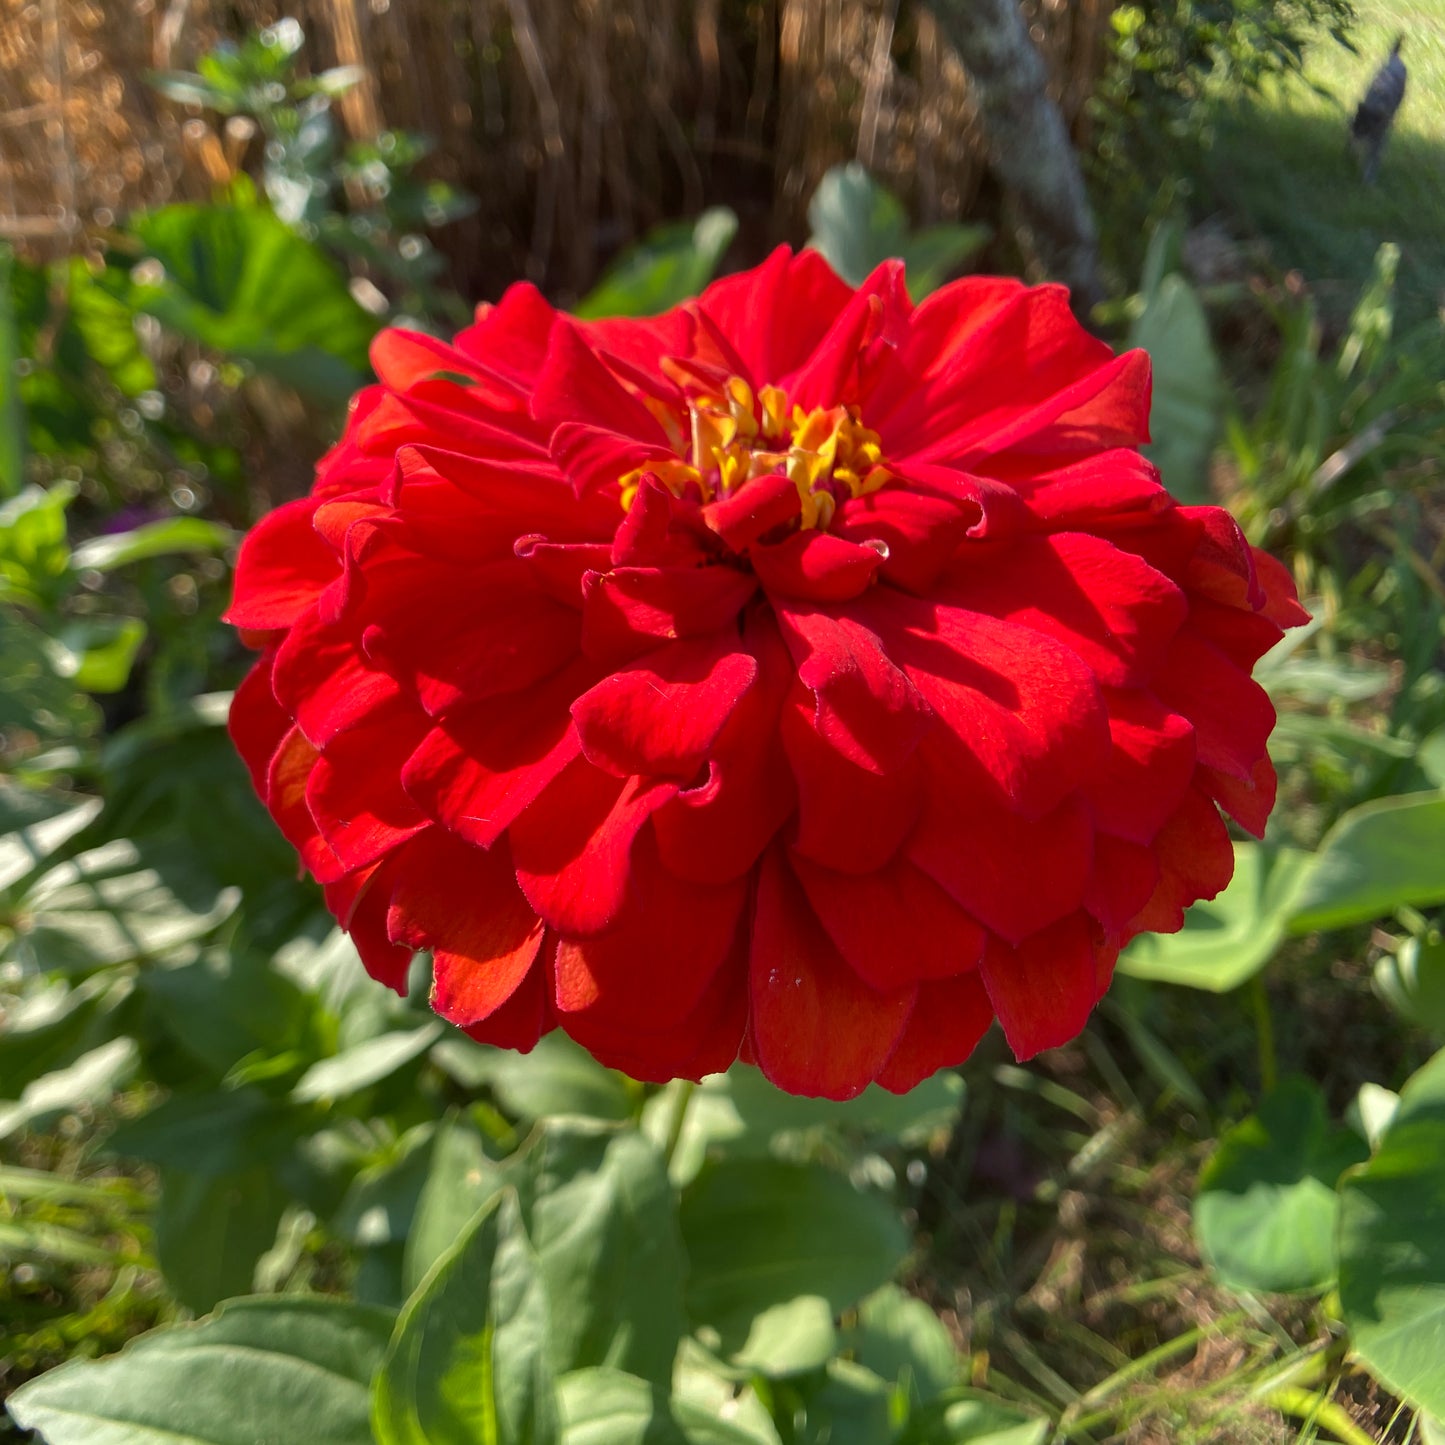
pixel 577 123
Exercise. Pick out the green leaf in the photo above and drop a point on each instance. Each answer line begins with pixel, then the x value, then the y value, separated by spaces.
pixel 460 1179
pixel 791 1338
pixel 468 1360
pixel 239 280
pixel 153 539
pixel 1412 982
pixel 96 653
pixel 34 553
pixel 366 1064
pixel 119 902
pixel 1378 857
pixel 211 1229
pixel 49 1028
pixel 92 1079
pixel 671 264
pixel 901 1340
pixel 608 1407
pixel 12 409
pixel 1227 940
pixel 557 1077
pixel 33 698
pixel 1266 1209
pixel 965 1417
pixel 286 1369
pixel 603 1219
pixel 858 224
pixel 852 1408
pixel 760 1233
pixel 1392 1248
pixel 1188 387
pixel 741 1115
pixel 932 255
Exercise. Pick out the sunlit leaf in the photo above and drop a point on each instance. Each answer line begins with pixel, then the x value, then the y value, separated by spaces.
pixel 262 1369
pixel 1392 1248
pixel 1266 1208
pixel 671 264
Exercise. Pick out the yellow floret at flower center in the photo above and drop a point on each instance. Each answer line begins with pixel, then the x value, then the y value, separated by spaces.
pixel 737 436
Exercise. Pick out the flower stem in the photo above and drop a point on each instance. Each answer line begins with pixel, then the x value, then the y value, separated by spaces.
pixel 1264 1034
pixel 686 1089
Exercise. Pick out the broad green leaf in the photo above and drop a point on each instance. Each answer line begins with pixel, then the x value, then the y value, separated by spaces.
pixel 212 1228
pixel 855 222
pixel 92 1079
pixel 366 1064
pixel 1227 940
pixel 557 1077
pixel 966 1417
pixel 96 654
pixel 239 280
pixel 227 1005
pixel 607 1407
pixel 671 264
pixel 273 1370
pixel 1392 1246
pixel 858 224
pixel 791 1338
pixel 1266 1209
pixel 603 1219
pixel 1412 982
pixel 107 328
pixel 468 1359
pixel 12 409
pixel 119 902
pixel 741 1115
pixel 214 1133
pixel 1370 1112
pixel 1188 391
pixel 153 539
pixel 760 1233
pixel 900 1339
pixel 50 1028
pixel 704 1391
pixel 460 1178
pixel 34 553
pixel 1378 857
pixel 381 1202
pixel 852 1408
pixel 34 699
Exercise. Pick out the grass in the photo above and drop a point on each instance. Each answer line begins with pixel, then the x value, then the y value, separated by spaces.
pixel 1282 164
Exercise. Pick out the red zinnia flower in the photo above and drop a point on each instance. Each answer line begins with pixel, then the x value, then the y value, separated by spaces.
pixel 799 673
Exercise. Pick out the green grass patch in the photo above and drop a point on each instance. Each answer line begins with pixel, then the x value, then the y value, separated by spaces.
pixel 1283 165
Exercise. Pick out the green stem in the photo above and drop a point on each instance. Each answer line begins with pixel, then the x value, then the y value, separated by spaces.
pixel 685 1092
pixel 1264 1033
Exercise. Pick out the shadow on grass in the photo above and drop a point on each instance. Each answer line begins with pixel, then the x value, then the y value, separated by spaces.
pixel 1291 178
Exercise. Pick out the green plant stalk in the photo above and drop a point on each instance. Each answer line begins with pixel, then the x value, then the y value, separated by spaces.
pixel 678 1119
pixel 1264 1034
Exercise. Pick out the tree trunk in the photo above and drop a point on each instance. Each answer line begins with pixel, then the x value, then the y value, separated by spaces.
pixel 1029 145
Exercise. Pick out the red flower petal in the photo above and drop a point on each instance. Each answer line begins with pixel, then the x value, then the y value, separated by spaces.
pixel 628 976
pixel 360 902
pixel 1044 990
pixel 1109 607
pixel 895 926
pixel 465 906
pixel 1149 770
pixel 849 818
pixel 476 771
pixel 661 715
pixel 1196 860
pixel 257 722
pixel 572 846
pixel 949 1018
pixel 629 610
pixel 1014 875
pixel 282 567
pixel 816 1028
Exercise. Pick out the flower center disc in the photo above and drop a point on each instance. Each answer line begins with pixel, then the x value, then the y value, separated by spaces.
pixel 735 436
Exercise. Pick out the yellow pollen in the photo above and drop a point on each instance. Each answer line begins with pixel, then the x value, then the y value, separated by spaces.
pixel 735 437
